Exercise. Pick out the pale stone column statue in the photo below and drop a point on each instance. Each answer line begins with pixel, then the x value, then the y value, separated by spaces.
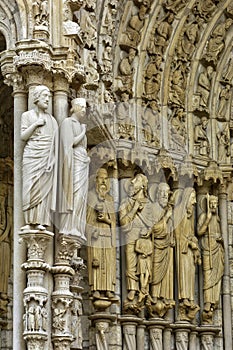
pixel 187 253
pixel 101 235
pixel 212 255
pixel 74 169
pixel 162 266
pixel 39 131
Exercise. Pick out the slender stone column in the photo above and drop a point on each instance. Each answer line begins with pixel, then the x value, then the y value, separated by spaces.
pixel 167 336
pixel 62 297
pixel 20 106
pixel 156 327
pixel 227 320
pixel 60 98
pixel 35 295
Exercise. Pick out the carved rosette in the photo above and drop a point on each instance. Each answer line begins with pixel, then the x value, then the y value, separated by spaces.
pixel 35 295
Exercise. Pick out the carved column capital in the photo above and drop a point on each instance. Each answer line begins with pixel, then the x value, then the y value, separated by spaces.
pixel 65 250
pixel 61 83
pixel 16 80
pixel 36 243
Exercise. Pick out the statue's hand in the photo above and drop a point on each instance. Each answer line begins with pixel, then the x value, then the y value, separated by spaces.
pixel 40 122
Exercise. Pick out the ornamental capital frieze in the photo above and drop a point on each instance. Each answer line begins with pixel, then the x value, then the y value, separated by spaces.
pixel 212 173
pixel 71 70
pixel 31 57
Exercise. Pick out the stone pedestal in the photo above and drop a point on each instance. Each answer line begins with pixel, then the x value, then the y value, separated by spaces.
pixel 35 295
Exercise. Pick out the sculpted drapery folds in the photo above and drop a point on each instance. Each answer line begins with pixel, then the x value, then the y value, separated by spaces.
pixel 212 255
pixel 135 220
pixel 101 235
pixel 39 131
pixel 187 253
pixel 162 237
pixel 74 168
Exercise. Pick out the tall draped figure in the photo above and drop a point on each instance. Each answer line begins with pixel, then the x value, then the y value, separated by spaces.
pixel 74 170
pixel 39 131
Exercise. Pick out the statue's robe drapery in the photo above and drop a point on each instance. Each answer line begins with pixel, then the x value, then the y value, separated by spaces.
pixel 39 169
pixel 74 170
pixel 212 258
pixel 162 265
pixel 101 241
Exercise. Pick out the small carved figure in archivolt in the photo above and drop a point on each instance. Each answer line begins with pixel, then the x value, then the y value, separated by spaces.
pixel 223 137
pixel 203 88
pixel 224 108
pixel 201 138
pixel 39 130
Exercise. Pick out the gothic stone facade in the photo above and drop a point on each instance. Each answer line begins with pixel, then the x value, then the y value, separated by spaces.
pixel 150 266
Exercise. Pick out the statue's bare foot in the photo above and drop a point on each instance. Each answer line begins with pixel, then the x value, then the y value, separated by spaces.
pixel 131 295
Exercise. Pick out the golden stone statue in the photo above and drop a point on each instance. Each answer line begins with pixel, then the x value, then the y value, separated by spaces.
pixel 212 255
pixel 101 238
pixel 135 220
pixel 162 265
pixel 187 253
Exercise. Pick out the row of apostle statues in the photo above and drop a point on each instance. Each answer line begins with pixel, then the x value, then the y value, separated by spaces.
pixel 157 226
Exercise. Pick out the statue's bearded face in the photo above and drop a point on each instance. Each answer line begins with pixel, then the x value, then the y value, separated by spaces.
pixel 163 195
pixel 102 183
